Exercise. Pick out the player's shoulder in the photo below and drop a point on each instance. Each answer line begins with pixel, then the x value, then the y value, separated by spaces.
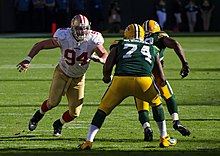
pixel 95 36
pixel 62 33
pixel 161 34
pixel 115 43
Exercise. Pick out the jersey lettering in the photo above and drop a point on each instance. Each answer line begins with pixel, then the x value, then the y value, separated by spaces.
pixel 94 32
pixel 149 40
pixel 70 57
pixel 145 50
pixel 133 48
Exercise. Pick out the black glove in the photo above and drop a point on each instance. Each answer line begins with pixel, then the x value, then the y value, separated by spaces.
pixel 185 70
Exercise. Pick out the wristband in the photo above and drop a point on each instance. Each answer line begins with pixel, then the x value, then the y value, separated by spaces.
pixel 28 58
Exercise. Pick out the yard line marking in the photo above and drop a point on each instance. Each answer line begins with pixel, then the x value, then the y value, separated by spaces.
pixel 10 66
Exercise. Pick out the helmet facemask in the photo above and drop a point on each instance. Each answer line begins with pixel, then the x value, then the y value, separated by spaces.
pixel 80 27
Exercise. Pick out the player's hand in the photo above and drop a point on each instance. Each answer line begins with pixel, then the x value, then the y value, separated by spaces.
pixel 185 70
pixel 95 58
pixel 23 66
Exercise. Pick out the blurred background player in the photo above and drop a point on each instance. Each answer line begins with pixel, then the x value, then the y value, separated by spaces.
pixel 161 40
pixel 134 60
pixel 77 45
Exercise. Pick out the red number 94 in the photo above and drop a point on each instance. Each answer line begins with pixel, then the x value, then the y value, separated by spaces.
pixel 70 57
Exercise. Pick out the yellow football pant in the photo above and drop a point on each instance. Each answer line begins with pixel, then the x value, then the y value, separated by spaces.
pixel 123 86
pixel 165 91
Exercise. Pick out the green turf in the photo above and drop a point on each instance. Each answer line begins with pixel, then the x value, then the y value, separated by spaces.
pixel 21 94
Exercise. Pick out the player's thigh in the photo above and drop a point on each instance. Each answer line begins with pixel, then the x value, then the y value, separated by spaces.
pixel 166 91
pixel 147 91
pixel 141 105
pixel 56 88
pixel 75 96
pixel 117 91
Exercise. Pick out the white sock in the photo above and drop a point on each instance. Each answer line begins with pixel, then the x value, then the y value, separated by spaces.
pixel 92 133
pixel 62 121
pixel 41 111
pixel 175 116
pixel 162 128
pixel 146 124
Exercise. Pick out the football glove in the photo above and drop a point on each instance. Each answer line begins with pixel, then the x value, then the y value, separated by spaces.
pixel 23 66
pixel 185 70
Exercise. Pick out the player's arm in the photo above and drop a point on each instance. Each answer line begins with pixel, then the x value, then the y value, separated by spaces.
pixel 175 45
pixel 108 66
pixel 158 72
pixel 101 56
pixel 45 44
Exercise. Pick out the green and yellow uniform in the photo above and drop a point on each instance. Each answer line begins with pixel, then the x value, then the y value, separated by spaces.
pixel 165 91
pixel 134 63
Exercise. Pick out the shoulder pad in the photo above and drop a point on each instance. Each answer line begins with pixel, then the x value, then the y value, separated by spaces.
pixel 96 37
pixel 60 33
pixel 162 34
pixel 113 44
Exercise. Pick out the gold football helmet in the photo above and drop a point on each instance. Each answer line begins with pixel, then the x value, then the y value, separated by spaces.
pixel 134 31
pixel 80 26
pixel 151 26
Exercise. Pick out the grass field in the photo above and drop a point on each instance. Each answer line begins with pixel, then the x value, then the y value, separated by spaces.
pixel 21 94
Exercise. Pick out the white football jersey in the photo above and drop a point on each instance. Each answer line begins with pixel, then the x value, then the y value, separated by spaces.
pixel 75 56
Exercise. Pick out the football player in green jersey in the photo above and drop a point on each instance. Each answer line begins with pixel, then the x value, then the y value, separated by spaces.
pixel 161 40
pixel 134 61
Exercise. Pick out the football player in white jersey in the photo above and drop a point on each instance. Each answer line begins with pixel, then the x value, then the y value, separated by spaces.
pixel 77 45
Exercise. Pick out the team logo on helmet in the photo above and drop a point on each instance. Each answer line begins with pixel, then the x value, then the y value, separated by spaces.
pixel 151 26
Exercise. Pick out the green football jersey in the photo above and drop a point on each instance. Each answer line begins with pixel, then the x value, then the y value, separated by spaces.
pixel 156 39
pixel 134 58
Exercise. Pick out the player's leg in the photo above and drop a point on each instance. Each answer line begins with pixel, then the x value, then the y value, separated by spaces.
pixel 75 95
pixel 55 96
pixel 151 95
pixel 143 113
pixel 158 115
pixel 109 101
pixel 168 96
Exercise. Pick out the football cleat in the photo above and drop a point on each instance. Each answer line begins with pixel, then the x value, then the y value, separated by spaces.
pixel 167 141
pixel 57 128
pixel 183 130
pixel 34 120
pixel 148 134
pixel 86 145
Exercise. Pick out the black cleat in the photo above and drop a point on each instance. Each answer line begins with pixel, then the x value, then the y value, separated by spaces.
pixel 148 134
pixel 34 120
pixel 57 127
pixel 183 130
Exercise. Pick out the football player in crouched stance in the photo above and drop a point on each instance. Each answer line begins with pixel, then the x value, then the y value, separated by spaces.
pixel 77 45
pixel 134 60
pixel 161 40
